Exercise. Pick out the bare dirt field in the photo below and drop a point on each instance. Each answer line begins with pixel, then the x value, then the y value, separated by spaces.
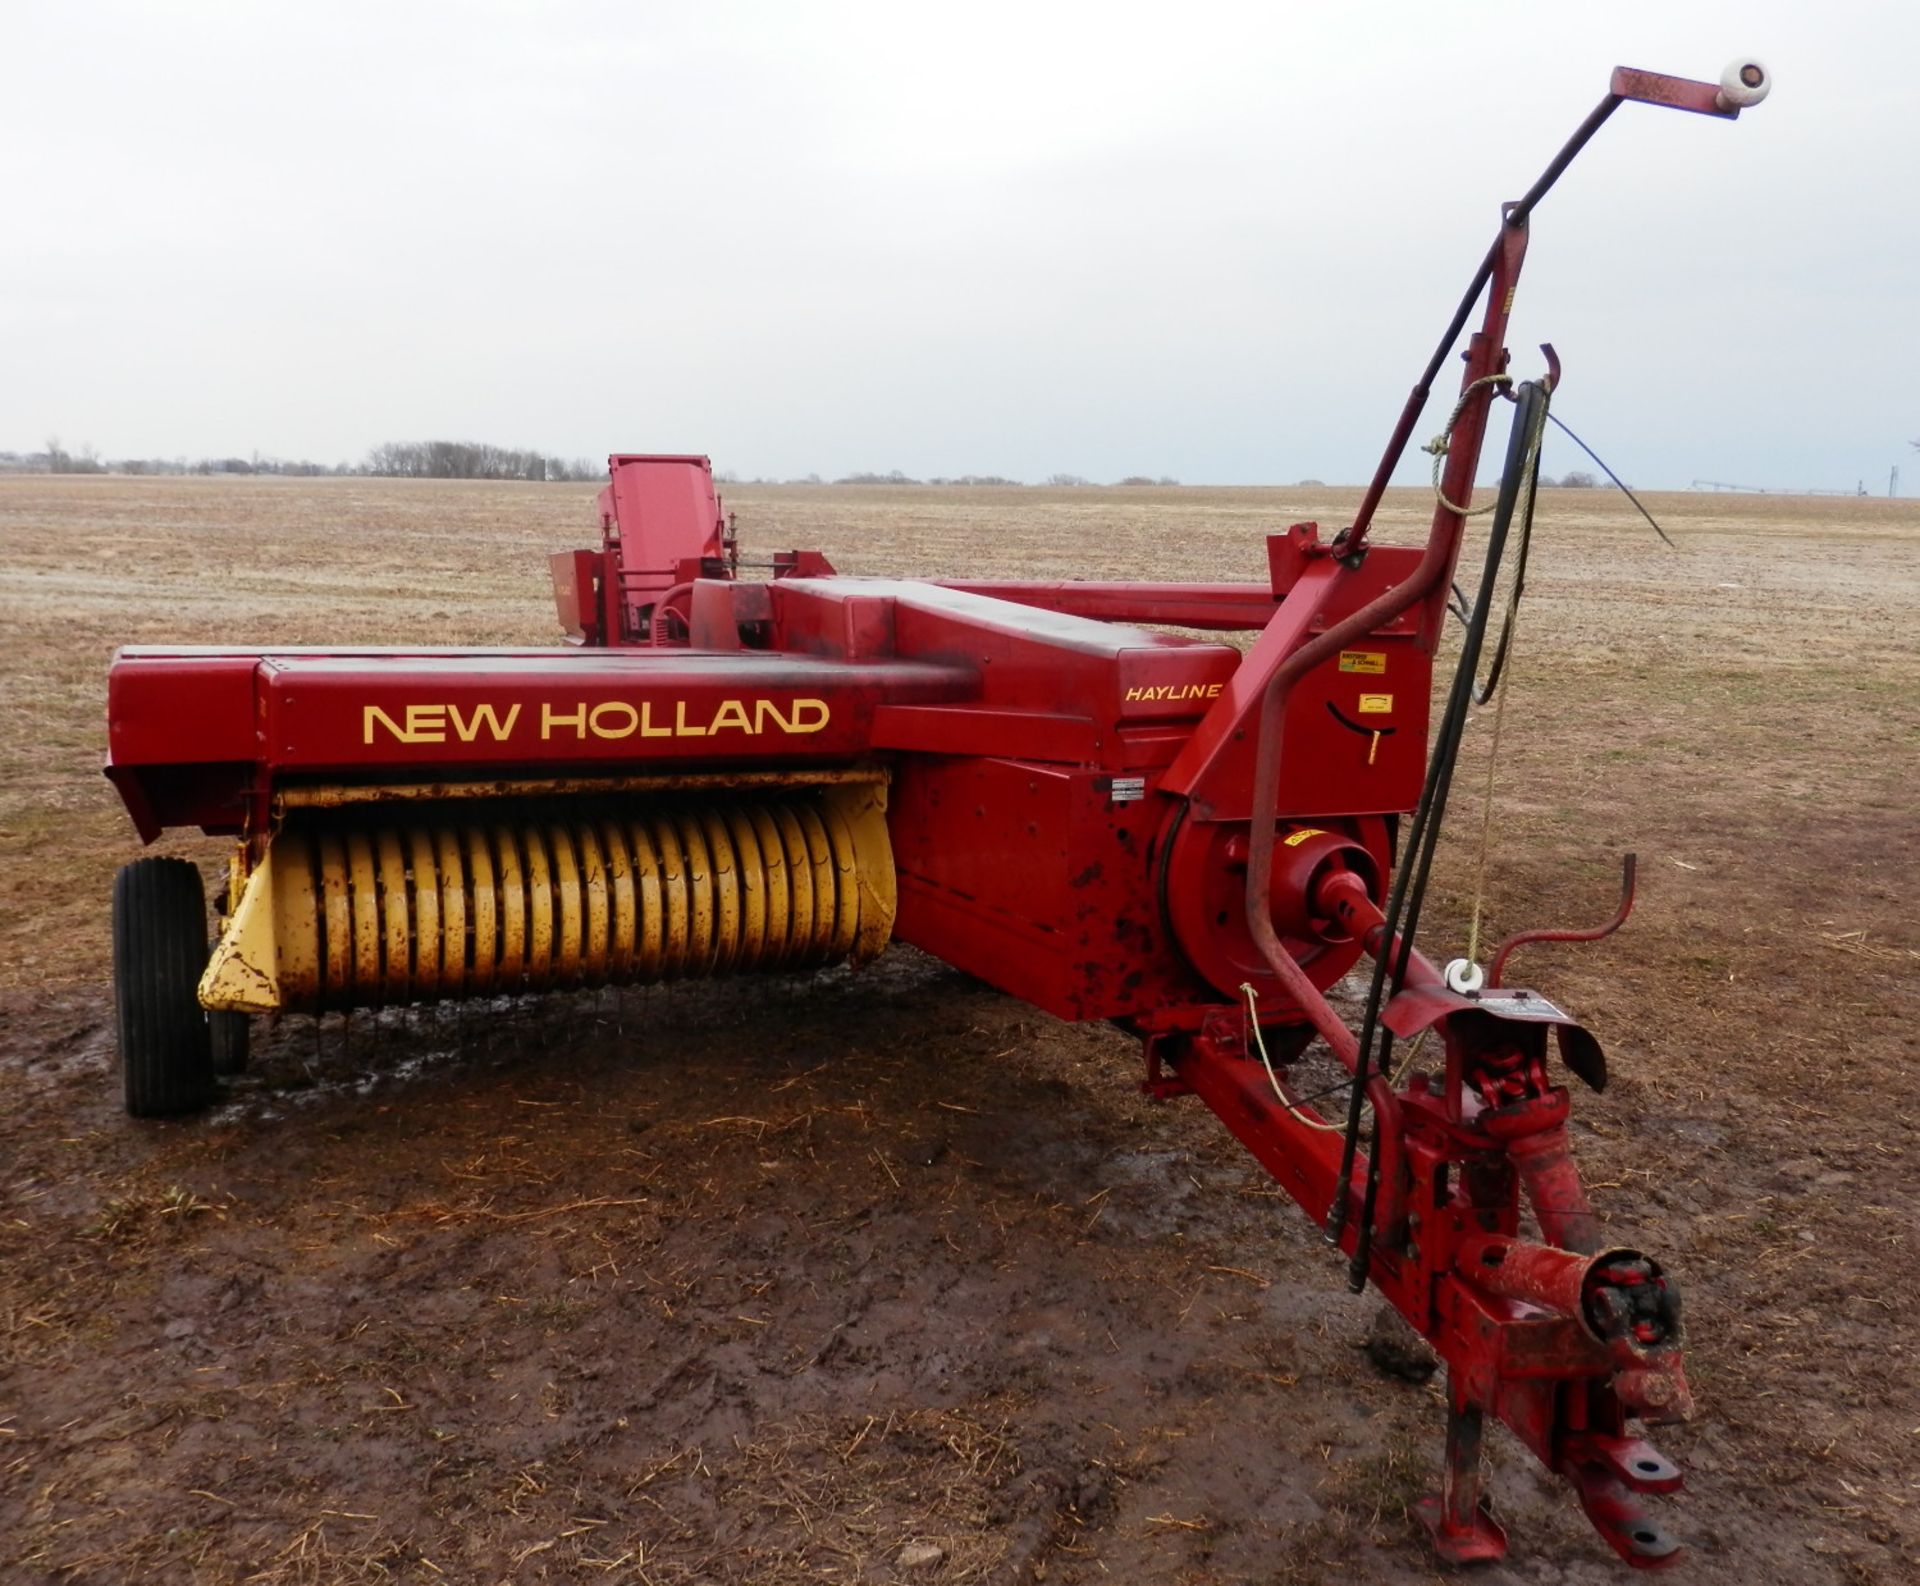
pixel 762 1281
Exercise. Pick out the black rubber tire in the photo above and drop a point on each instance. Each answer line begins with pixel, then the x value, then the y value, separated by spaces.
pixel 159 954
pixel 228 1035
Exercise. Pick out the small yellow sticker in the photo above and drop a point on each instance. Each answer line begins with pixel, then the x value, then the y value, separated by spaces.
pixel 1295 839
pixel 1372 662
pixel 1375 704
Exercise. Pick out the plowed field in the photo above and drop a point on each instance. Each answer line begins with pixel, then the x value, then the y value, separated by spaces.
pixel 766 1281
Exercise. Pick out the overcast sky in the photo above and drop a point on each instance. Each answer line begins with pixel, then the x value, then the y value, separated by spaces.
pixel 1201 240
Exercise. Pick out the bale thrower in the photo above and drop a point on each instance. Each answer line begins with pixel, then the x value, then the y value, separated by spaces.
pixel 1036 782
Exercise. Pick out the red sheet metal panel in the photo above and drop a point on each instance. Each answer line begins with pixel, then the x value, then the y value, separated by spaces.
pixel 1038 879
pixel 574 709
pixel 1027 658
pixel 170 707
pixel 1355 726
pixel 661 511
pixel 577 596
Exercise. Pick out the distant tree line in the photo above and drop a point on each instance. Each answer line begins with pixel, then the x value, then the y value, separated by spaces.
pixel 474 460
pixel 441 459
pixel 482 460
pixel 56 459
pixel 86 461
pixel 397 459
pixel 896 477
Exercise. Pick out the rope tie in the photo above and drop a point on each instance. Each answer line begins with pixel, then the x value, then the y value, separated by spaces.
pixel 1486 818
pixel 1251 1023
pixel 1440 443
pixel 1504 660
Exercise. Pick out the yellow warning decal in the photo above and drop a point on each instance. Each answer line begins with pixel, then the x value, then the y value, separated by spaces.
pixel 1372 662
pixel 1375 704
pixel 1295 839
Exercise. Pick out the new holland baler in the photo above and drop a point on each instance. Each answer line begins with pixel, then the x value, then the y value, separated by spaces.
pixel 1067 789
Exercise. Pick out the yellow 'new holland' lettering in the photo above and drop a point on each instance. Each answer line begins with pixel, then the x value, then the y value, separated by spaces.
pixel 418 724
pixel 611 719
pixel 499 728
pixel 614 719
pixel 730 714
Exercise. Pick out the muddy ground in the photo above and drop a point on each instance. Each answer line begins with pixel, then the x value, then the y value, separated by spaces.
pixel 769 1281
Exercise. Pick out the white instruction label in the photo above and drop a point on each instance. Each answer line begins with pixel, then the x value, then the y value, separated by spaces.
pixel 1528 1006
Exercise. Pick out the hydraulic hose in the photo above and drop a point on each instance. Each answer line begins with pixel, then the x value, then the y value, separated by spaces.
pixel 1410 882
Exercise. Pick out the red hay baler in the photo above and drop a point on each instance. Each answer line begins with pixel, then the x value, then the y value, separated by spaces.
pixel 1036 782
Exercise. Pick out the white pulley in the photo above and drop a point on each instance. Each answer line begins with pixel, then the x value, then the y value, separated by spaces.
pixel 1464 976
pixel 1745 82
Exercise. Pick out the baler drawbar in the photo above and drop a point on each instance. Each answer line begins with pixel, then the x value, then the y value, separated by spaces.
pixel 1038 783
